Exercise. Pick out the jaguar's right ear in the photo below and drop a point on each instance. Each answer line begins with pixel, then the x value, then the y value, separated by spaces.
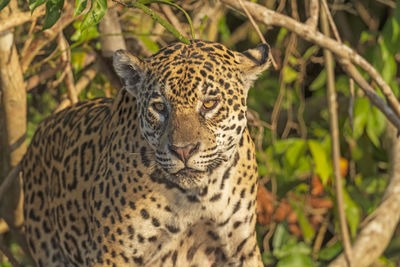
pixel 130 69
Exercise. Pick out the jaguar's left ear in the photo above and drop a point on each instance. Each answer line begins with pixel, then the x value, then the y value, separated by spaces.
pixel 253 62
pixel 130 69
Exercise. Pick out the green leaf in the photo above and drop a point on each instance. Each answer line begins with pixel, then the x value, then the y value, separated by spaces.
pixel 3 3
pixel 322 166
pixel 305 226
pixel 375 126
pixel 391 31
pixel 150 44
pixel 167 2
pixel 33 4
pixel 328 253
pixel 90 33
pixel 95 14
pixel 159 19
pixel 223 28
pixel 80 5
pixel 267 258
pixel 361 114
pixel 292 247
pixel 280 236
pixel 309 52
pixel 289 74
pixel 389 67
pixel 352 211
pixel 296 260
pixel 281 36
pixel 295 151
pixel 319 82
pixel 53 13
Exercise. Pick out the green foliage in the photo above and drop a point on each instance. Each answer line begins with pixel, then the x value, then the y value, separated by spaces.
pixel 3 3
pixel 160 20
pixel 298 152
pixel 53 12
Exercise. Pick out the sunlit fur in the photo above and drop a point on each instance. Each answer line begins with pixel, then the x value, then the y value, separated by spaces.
pixel 182 77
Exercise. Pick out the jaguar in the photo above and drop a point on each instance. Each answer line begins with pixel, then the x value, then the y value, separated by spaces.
pixel 163 174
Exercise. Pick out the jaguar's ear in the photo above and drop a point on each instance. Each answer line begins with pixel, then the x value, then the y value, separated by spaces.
pixel 253 62
pixel 130 69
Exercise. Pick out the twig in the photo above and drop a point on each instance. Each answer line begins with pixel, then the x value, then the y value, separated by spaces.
pixel 331 22
pixel 30 37
pixel 47 36
pixel 368 19
pixel 239 34
pixel 282 88
pixel 169 15
pixel 312 21
pixel 351 81
pixel 281 6
pixel 370 92
pixel 377 231
pixel 351 104
pixel 66 58
pixel 320 237
pixel 19 18
pixel 334 128
pixel 259 33
pixel 35 80
pixel 81 84
pixel 342 51
pixel 389 3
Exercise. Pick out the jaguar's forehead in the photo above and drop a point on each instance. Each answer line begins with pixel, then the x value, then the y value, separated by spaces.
pixel 191 70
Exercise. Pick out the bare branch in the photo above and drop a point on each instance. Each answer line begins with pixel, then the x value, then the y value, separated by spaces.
pixel 259 33
pixel 47 36
pixel 334 128
pixel 35 80
pixel 170 16
pixel 314 11
pixel 377 231
pixel 389 3
pixel 111 34
pixel 331 22
pixel 81 84
pixel 19 18
pixel 368 18
pixel 370 92
pixel 66 59
pixel 342 51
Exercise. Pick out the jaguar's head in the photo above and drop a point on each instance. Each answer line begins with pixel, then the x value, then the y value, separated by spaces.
pixel 192 103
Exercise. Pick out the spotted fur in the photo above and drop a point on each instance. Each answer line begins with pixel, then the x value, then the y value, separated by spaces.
pixel 163 175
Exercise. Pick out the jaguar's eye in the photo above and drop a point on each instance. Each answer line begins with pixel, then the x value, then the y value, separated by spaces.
pixel 210 104
pixel 159 106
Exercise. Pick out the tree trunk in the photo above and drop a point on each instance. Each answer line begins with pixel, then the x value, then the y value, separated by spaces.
pixel 111 40
pixel 13 114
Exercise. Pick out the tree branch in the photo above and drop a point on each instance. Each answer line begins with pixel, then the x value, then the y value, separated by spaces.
pixel 47 36
pixel 377 231
pixel 334 128
pixel 341 51
pixel 312 21
pixel 19 18
pixel 66 59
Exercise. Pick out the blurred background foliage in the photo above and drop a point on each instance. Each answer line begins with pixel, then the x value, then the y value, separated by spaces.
pixel 288 116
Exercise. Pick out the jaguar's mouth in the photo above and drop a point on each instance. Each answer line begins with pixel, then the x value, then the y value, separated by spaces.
pixel 188 172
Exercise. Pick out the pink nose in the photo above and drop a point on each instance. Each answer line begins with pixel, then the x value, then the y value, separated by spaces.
pixel 185 152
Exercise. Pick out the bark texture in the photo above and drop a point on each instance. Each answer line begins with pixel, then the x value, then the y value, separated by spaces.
pixel 378 229
pixel 14 117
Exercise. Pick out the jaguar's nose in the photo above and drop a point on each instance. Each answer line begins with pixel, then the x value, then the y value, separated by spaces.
pixel 184 152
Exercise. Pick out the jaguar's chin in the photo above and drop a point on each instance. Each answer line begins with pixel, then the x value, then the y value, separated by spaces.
pixel 187 178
